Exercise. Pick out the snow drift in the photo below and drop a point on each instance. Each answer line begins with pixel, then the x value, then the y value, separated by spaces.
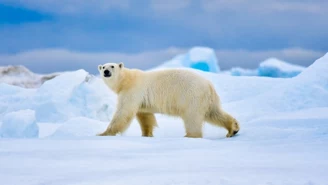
pixel 307 90
pixel 20 124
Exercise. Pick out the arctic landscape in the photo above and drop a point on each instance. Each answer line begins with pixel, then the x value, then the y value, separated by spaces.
pixel 48 130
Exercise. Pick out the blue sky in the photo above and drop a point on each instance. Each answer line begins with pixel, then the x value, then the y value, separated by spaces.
pixel 48 35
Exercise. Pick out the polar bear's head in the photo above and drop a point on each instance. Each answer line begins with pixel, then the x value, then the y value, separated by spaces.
pixel 110 72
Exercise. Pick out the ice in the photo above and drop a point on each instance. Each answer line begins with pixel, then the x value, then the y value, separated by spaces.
pixel 94 96
pixel 70 94
pixel 12 98
pixel 20 124
pixel 272 67
pixel 60 99
pixel 7 89
pixel 283 136
pixel 200 58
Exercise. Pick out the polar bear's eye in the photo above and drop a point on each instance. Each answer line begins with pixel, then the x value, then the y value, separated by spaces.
pixel 103 67
pixel 112 67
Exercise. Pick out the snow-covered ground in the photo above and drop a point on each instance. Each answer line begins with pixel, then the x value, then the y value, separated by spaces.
pixel 283 138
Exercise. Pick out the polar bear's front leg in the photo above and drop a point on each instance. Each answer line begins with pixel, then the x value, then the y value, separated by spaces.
pixel 119 123
pixel 122 118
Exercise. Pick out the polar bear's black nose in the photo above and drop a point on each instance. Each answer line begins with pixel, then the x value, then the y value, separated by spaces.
pixel 107 73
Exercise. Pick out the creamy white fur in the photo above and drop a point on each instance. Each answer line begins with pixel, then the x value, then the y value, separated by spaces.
pixel 173 92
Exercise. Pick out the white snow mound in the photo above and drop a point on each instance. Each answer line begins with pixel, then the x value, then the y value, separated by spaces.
pixel 79 127
pixel 20 124
pixel 71 94
pixel 305 91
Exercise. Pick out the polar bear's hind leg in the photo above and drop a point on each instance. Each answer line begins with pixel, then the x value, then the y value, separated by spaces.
pixel 193 123
pixel 147 123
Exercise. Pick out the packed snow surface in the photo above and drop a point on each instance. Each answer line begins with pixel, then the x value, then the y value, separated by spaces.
pixel 200 58
pixel 271 67
pixel 283 138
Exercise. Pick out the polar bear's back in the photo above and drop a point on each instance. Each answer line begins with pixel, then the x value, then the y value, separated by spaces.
pixel 177 79
pixel 174 91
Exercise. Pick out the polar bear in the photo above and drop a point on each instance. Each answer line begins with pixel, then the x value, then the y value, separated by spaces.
pixel 174 92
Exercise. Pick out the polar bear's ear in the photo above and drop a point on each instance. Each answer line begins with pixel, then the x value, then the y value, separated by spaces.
pixel 99 67
pixel 121 65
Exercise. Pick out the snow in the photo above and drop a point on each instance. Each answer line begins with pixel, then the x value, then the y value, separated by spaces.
pixel 20 124
pixel 272 67
pixel 135 160
pixel 79 126
pixel 307 90
pixel 283 137
pixel 71 94
pixel 200 58
pixel 238 71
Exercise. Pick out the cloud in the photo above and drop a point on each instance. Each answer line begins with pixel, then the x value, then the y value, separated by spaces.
pixel 70 7
pixel 135 26
pixel 243 32
pixel 53 60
